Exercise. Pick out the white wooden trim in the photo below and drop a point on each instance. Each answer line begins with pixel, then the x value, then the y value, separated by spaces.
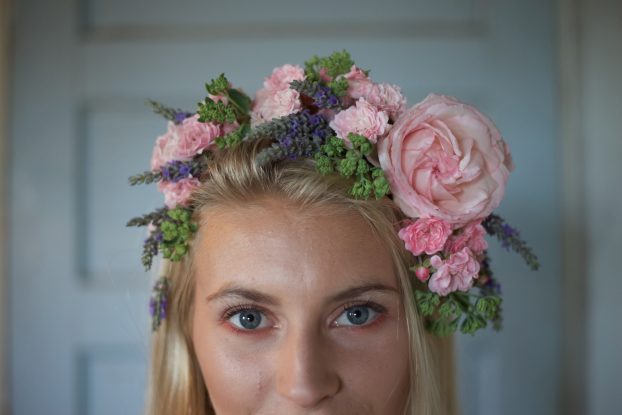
pixel 573 375
pixel 5 32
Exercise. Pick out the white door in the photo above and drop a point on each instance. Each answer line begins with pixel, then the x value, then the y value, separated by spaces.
pixel 78 295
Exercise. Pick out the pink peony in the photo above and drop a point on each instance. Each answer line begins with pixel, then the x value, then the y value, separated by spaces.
pixel 363 119
pixel 271 104
pixel 282 76
pixel 445 159
pixel 471 236
pixel 178 193
pixel 425 235
pixel 457 273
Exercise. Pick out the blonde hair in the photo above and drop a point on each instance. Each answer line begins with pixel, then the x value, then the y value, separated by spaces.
pixel 232 180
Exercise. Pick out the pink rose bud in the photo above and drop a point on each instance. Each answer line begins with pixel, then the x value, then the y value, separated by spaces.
pixel 422 273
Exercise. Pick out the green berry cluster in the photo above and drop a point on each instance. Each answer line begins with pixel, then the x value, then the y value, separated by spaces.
pixel 236 109
pixel 352 162
pixel 177 230
pixel 338 63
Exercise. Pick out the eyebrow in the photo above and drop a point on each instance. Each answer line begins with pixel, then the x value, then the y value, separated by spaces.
pixel 259 297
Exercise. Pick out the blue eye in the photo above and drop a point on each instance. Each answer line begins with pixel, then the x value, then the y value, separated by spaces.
pixel 357 315
pixel 248 319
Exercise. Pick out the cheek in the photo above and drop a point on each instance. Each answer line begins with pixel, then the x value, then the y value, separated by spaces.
pixel 377 370
pixel 234 378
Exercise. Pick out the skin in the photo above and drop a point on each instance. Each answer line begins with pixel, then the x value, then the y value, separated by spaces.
pixel 303 274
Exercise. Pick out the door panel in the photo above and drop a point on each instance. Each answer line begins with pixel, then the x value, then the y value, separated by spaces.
pixel 79 323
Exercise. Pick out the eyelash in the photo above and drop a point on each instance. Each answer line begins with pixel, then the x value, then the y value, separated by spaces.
pixel 232 311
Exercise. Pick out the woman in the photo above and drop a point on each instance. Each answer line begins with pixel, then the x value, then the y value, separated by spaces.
pixel 311 237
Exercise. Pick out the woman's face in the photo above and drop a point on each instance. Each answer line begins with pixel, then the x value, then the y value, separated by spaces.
pixel 298 314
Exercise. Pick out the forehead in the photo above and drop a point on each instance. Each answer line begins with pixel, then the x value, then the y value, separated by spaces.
pixel 278 247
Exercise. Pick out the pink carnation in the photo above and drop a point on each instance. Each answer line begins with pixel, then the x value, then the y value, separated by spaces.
pixel 271 104
pixel 358 82
pixel 178 193
pixel 386 97
pixel 192 136
pixel 471 236
pixel 363 119
pixel 457 273
pixel 445 159
pixel 282 76
pixel 183 141
pixel 425 235
pixel 162 152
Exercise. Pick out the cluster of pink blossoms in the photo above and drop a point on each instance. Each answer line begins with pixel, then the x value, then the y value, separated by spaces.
pixel 447 166
pixel 182 142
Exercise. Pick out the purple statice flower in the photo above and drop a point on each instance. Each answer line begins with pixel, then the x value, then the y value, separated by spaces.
pixel 180 116
pixel 325 98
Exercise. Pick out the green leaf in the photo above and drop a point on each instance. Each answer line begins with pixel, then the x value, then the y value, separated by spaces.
pixel 426 302
pixel 242 101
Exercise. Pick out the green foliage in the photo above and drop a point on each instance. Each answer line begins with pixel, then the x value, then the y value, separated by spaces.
pixel 336 64
pixel 233 138
pixel 426 302
pixel 352 162
pixel 447 314
pixel 218 86
pixel 218 112
pixel 237 107
pixel 339 86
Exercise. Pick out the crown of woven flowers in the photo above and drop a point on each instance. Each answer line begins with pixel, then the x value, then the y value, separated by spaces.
pixel 444 164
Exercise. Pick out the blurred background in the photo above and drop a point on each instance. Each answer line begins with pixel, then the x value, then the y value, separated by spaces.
pixel 74 75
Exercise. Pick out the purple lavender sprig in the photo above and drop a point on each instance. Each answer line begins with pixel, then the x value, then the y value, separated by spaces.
pixel 295 136
pixel 158 302
pixel 152 243
pixel 510 238
pixel 171 114
pixel 322 95
pixel 176 170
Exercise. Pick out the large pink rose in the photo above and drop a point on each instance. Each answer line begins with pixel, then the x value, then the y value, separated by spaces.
pixel 457 273
pixel 425 235
pixel 363 119
pixel 445 159
pixel 178 193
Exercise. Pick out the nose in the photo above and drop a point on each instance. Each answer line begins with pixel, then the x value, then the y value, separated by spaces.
pixel 305 374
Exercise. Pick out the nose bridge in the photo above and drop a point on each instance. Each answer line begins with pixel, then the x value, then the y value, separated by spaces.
pixel 306 374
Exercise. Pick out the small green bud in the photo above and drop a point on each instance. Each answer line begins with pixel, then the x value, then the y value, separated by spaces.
pixel 347 167
pixel 362 167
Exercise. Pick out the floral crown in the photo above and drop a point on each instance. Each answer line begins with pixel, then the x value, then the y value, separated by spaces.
pixel 443 163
